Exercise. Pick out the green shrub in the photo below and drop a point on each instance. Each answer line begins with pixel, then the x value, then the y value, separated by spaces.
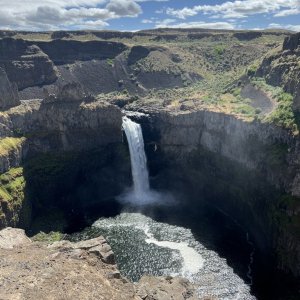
pixel 219 50
pixel 50 237
pixel 252 70
pixel 110 62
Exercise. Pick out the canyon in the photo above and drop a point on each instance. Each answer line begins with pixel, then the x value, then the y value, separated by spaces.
pixel 218 111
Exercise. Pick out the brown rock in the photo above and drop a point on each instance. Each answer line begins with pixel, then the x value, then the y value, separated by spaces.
pixel 165 288
pixel 13 237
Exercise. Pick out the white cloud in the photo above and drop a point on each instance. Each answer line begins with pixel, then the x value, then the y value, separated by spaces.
pixel 288 12
pixel 206 25
pixel 124 8
pixel 285 26
pixel 63 14
pixel 164 23
pixel 147 21
pixel 237 9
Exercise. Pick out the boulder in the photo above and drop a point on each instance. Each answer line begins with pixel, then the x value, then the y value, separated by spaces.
pixel 165 288
pixel 13 237
pixel 99 247
pixel 70 92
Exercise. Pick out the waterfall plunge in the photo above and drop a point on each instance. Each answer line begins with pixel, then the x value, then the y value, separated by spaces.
pixel 138 158
pixel 140 194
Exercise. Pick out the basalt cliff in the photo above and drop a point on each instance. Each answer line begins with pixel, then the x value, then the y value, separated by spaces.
pixel 219 112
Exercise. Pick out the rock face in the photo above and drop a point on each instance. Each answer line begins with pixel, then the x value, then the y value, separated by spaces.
pixel 66 52
pixel 292 42
pixel 72 91
pixel 196 145
pixel 184 131
pixel 35 270
pixel 8 92
pixel 283 68
pixel 68 121
pixel 67 125
pixel 137 53
pixel 25 64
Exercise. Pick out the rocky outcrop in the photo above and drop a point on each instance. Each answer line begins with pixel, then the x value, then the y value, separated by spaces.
pixel 292 42
pixel 67 125
pixel 282 68
pixel 136 53
pixel 67 52
pixel 8 92
pixel 13 237
pixel 35 270
pixel 25 64
pixel 72 92
pixel 97 246
pixel 247 35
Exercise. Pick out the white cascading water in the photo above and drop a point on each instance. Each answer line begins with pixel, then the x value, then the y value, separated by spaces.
pixel 138 158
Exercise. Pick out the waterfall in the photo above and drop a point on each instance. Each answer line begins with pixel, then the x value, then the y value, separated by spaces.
pixel 138 158
pixel 140 194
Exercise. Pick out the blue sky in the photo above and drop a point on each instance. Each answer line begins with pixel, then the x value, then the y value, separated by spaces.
pixel 145 14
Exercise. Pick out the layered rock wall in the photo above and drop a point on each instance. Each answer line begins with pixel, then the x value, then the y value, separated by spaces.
pixel 25 63
pixel 265 154
pixel 67 125
pixel 282 68
pixel 66 52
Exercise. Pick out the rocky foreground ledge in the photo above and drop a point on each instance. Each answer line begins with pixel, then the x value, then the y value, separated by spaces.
pixel 83 270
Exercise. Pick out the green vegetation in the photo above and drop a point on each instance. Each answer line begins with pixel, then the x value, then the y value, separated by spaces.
pixel 283 114
pixel 236 92
pixel 51 237
pixel 252 70
pixel 110 62
pixel 12 196
pixel 12 185
pixel 219 49
pixel 244 109
pixel 10 143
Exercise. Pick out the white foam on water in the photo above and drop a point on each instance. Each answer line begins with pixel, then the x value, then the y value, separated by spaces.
pixel 192 261
pixel 205 268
